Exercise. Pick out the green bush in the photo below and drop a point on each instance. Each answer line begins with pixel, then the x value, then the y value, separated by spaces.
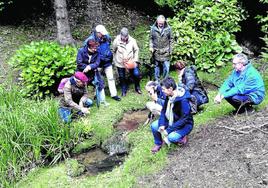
pixel 203 32
pixel 42 65
pixel 263 20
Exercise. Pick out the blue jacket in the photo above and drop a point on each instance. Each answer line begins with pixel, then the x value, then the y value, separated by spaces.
pixel 181 113
pixel 82 59
pixel 106 55
pixel 248 82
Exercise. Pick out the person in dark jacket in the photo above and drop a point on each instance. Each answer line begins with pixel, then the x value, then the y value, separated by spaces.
pixel 75 97
pixel 160 46
pixel 244 87
pixel 176 120
pixel 189 79
pixel 101 36
pixel 88 61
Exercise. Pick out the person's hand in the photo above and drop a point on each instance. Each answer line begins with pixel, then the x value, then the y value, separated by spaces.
pixel 88 68
pixel 161 128
pixel 218 98
pixel 85 110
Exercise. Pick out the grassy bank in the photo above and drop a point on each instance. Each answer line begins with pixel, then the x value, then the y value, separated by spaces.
pixel 140 161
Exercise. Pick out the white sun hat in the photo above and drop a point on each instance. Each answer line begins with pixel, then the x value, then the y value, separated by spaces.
pixel 101 29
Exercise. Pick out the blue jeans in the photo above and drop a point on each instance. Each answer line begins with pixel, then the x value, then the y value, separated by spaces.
pixel 134 73
pixel 239 101
pixel 174 136
pixel 66 113
pixel 161 67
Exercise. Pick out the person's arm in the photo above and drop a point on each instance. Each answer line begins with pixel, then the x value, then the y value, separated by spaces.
pixel 68 96
pixel 81 65
pixel 185 113
pixel 190 78
pixel 171 41
pixel 151 46
pixel 135 51
pixel 114 45
pixel 163 121
pixel 83 98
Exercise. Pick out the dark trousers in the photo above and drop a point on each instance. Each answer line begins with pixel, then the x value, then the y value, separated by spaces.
pixel 240 102
pixel 134 73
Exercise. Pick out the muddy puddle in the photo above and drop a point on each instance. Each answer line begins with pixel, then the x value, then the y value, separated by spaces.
pixel 114 150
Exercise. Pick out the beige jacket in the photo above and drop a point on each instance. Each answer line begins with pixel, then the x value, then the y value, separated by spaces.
pixel 74 97
pixel 123 51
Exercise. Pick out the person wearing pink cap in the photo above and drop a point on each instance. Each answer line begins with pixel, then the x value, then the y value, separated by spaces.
pixel 74 101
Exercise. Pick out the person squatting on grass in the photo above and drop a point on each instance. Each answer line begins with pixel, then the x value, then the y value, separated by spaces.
pixel 160 46
pixel 101 36
pixel 88 61
pixel 187 76
pixel 126 56
pixel 244 87
pixel 74 100
pixel 176 120
pixel 158 99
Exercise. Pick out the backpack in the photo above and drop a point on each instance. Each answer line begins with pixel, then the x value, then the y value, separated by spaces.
pixel 62 84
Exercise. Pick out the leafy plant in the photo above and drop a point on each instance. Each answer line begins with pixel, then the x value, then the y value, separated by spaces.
pixel 30 132
pixel 42 64
pixel 203 32
pixel 264 21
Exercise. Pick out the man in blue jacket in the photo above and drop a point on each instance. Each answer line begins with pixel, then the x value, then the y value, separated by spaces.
pixel 101 36
pixel 176 120
pixel 244 87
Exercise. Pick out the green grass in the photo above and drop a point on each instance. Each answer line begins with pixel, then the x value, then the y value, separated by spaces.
pixel 140 161
pixel 29 131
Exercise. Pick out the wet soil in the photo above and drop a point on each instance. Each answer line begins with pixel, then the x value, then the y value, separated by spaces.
pixel 131 120
pixel 229 152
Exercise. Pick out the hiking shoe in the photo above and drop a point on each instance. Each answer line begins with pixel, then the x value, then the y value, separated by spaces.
pixel 183 141
pixel 116 98
pixel 156 148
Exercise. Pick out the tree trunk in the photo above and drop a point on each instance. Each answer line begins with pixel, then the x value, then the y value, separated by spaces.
pixel 64 36
pixel 94 13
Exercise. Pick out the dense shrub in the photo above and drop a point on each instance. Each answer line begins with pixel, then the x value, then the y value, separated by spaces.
pixel 264 21
pixel 203 32
pixel 42 64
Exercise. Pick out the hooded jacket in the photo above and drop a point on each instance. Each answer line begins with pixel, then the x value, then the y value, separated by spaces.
pixel 160 41
pixel 181 113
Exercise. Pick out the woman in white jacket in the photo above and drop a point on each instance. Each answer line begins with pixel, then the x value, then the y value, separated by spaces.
pixel 126 53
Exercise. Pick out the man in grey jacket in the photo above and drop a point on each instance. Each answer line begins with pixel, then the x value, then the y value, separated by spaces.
pixel 160 46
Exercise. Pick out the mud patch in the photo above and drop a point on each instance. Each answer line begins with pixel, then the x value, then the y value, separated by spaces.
pixel 131 120
pixel 219 156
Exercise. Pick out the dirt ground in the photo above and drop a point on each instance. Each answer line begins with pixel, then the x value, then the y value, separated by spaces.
pixel 229 152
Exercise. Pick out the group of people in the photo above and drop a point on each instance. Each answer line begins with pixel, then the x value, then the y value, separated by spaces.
pixel 242 89
pixel 174 102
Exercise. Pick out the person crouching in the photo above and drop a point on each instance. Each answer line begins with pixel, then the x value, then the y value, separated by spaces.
pixel 176 120
pixel 75 101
